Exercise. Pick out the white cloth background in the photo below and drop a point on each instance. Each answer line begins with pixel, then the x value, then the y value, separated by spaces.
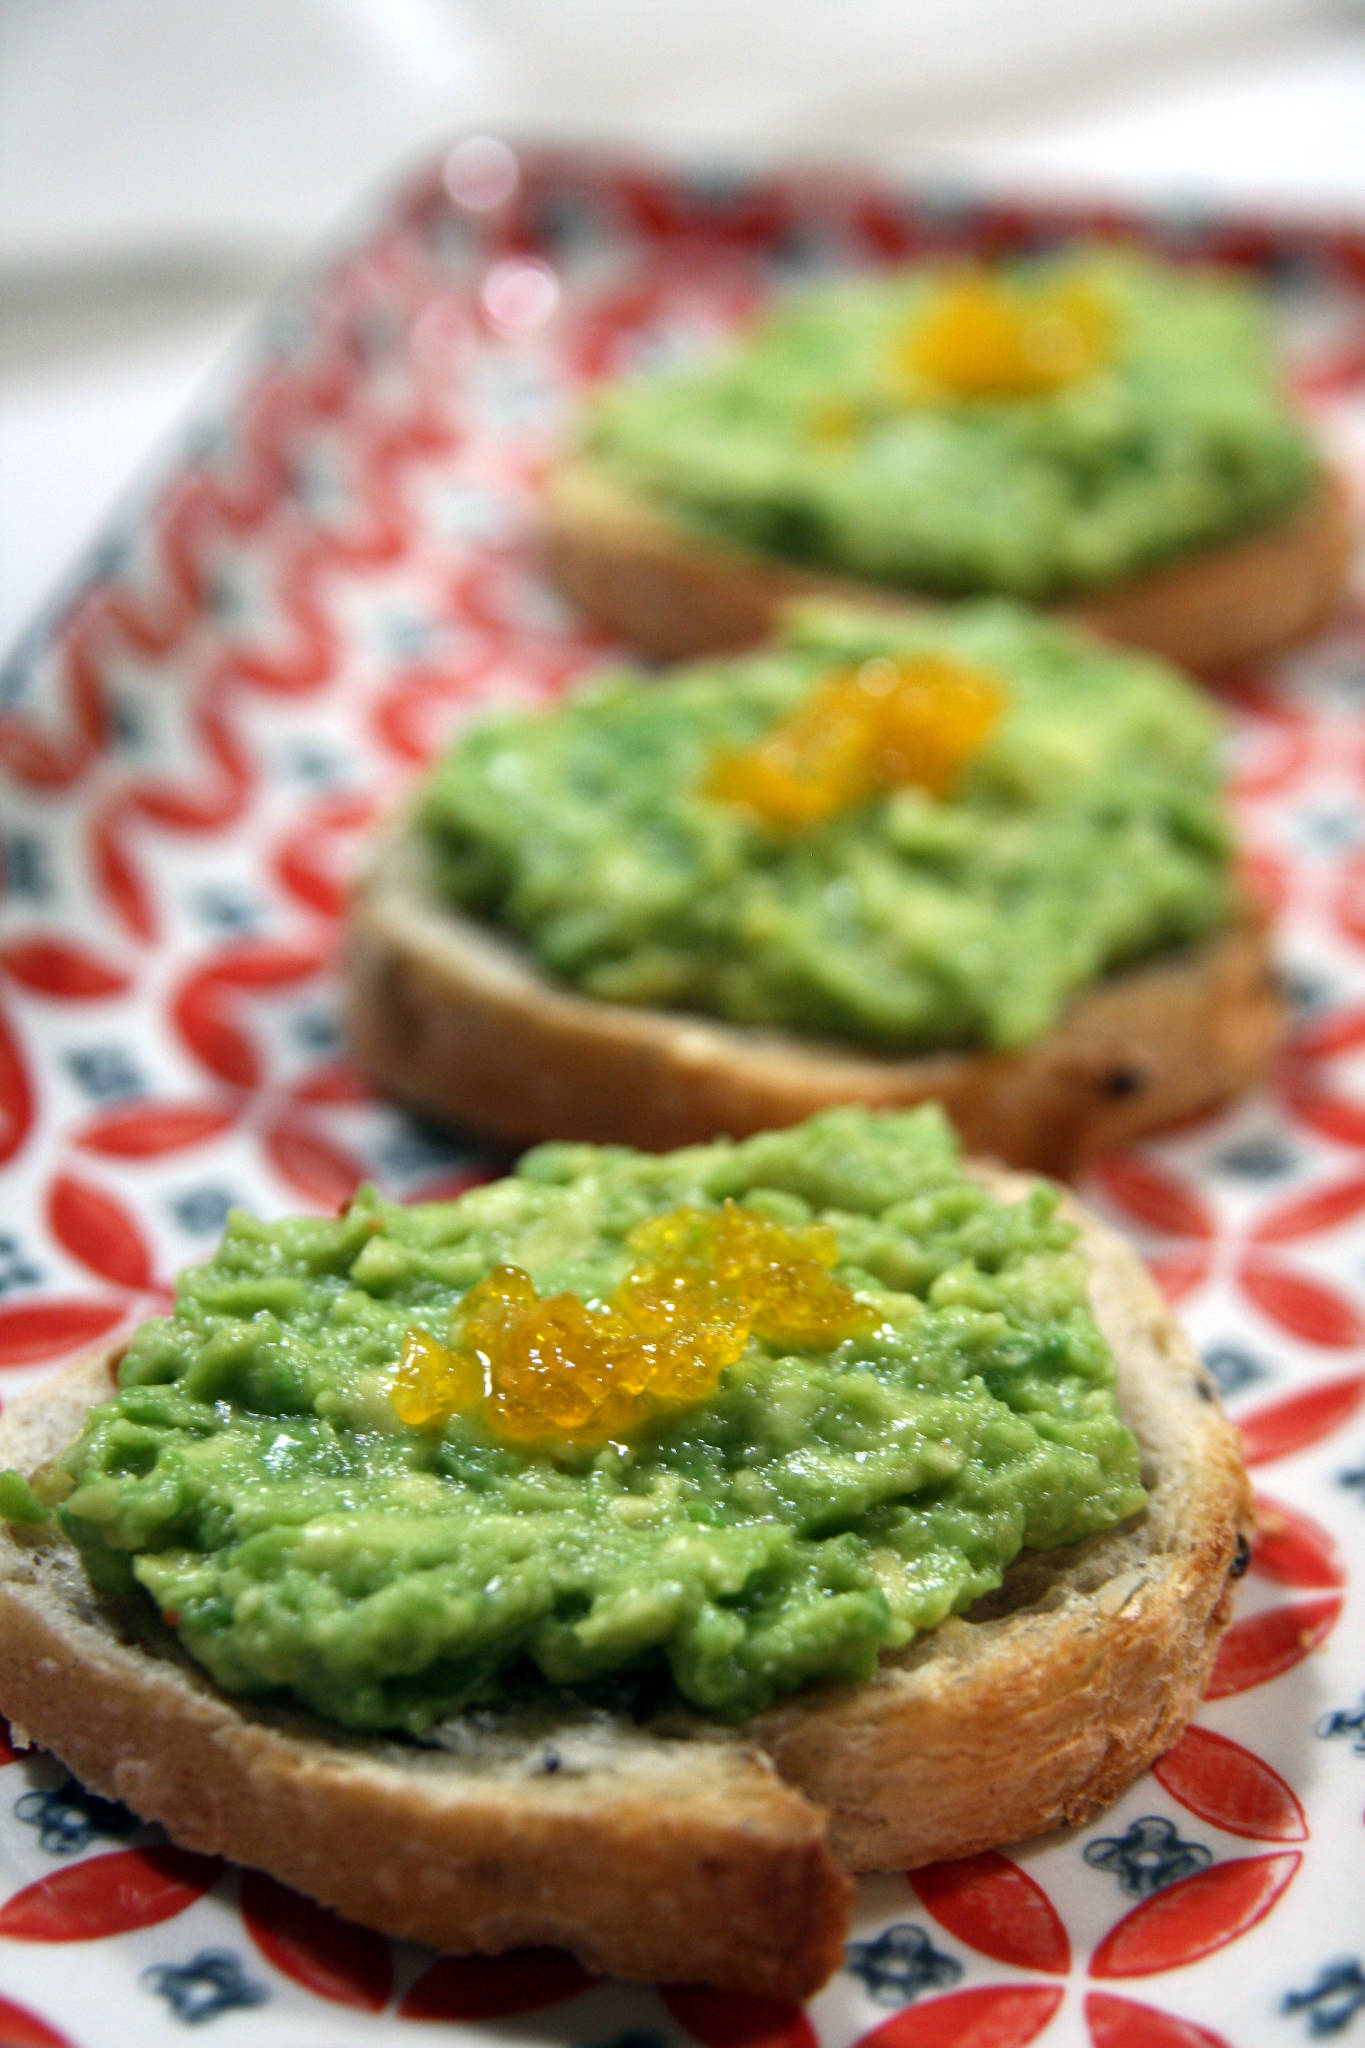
pixel 163 162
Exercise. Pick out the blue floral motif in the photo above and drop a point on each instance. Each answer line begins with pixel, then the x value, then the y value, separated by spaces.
pixel 900 1963
pixel 16 1268
pixel 1339 1722
pixel 314 765
pixel 26 864
pixel 1332 2001
pixel 203 1210
pixel 1258 1158
pixel 317 1030
pixel 1147 1857
pixel 227 909
pixel 106 1073
pixel 1354 1478
pixel 212 1981
pixel 1308 993
pixel 1233 1368
pixel 68 1817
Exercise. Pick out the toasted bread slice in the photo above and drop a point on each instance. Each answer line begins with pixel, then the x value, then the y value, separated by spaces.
pixel 460 1023
pixel 672 592
pixel 675 1850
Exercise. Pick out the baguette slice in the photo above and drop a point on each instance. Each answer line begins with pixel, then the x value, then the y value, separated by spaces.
pixel 675 1850
pixel 461 1024
pixel 654 583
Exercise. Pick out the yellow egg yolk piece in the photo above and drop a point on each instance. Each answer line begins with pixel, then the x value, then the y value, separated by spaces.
pixel 914 721
pixel 539 1369
pixel 982 337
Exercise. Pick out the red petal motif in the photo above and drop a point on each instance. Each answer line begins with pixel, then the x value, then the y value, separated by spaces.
pixel 1334 1115
pixel 1194 1916
pixel 1338 1031
pixel 1264 1645
pixel 1297 1420
pixel 8 1753
pixel 1305 1308
pixel 54 967
pixel 333 1083
pixel 1230 1788
pixel 1122 2023
pixel 99 1232
pixel 494 1987
pixel 34 1330
pixel 108 1895
pixel 200 1014
pixel 314 1168
pixel 1150 1195
pixel 121 881
pixel 147 1130
pixel 1307 1214
pixel 16 1095
pixel 1294 1550
pixel 991 2016
pixel 737 2019
pixel 1178 1273
pixel 264 964
pixel 326 1954
pixel 20 2028
pixel 995 1907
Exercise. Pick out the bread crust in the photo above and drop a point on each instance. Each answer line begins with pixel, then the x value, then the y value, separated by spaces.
pixel 673 593
pixel 461 1024
pixel 675 1851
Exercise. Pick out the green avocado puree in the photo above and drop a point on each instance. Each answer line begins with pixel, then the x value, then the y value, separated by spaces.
pixel 1180 438
pixel 253 1477
pixel 1087 833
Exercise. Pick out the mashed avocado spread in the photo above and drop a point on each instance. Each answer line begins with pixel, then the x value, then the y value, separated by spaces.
pixel 859 428
pixel 823 1504
pixel 1085 832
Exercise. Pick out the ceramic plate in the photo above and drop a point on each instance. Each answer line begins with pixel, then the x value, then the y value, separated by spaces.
pixel 332 572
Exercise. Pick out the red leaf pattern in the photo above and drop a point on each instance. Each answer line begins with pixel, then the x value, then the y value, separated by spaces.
pixel 108 1895
pixel 1230 1788
pixel 1122 2023
pixel 98 1230
pixel 1265 1645
pixel 1148 1195
pixel 56 967
pixel 737 2019
pixel 328 1955
pixel 1297 1420
pixel 1294 1550
pixel 1306 1215
pixel 36 1330
pixel 494 1987
pixel 989 2016
pixel 310 1165
pixel 150 1130
pixel 16 1095
pixel 1301 1306
pixel 1194 1916
pixel 995 1907
pixel 20 2028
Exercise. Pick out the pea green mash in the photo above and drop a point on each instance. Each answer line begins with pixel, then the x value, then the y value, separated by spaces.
pixel 1088 833
pixel 1179 439
pixel 253 1477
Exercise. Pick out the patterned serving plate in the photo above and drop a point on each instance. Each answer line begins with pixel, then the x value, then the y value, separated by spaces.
pixel 332 571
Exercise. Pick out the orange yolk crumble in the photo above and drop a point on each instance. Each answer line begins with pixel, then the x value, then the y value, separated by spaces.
pixel 984 338
pixel 888 724
pixel 536 1369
